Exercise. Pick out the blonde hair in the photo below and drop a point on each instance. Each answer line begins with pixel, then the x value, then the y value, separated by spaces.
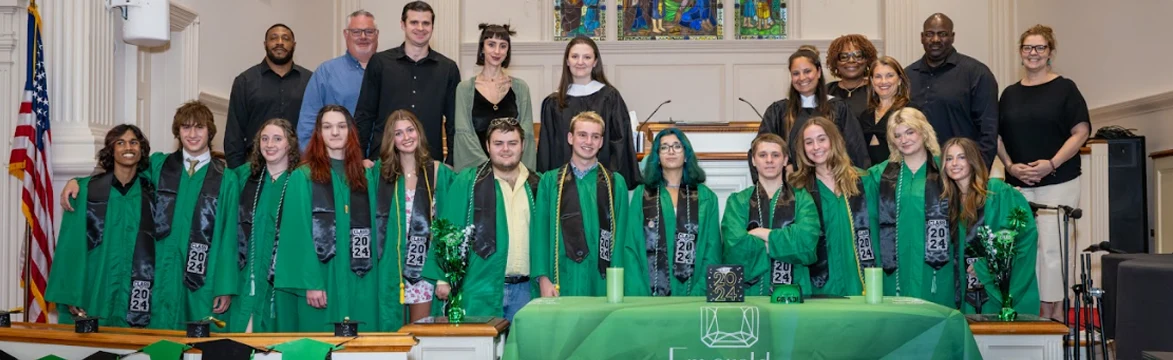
pixel 588 117
pixel 916 120
pixel 846 176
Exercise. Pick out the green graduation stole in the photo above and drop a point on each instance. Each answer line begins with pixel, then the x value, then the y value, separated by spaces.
pixel 975 292
pixel 936 218
pixel 142 273
pixel 483 212
pixel 684 244
pixel 858 205
pixel 324 216
pixel 570 218
pixel 419 233
pixel 781 272
pixel 203 224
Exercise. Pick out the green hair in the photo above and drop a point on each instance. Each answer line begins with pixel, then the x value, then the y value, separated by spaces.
pixel 654 175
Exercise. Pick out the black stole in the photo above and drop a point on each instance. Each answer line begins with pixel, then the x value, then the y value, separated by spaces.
pixel 936 217
pixel 781 272
pixel 684 244
pixel 253 187
pixel 483 213
pixel 142 271
pixel 975 292
pixel 571 218
pixel 204 220
pixel 324 216
pixel 862 237
pixel 419 233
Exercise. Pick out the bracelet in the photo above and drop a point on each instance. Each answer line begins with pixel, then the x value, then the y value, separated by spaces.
pixel 1053 168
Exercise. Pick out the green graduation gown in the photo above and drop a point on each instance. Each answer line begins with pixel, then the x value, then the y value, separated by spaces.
pixel 634 258
pixel 98 280
pixel 844 274
pixel 391 311
pixel 484 284
pixel 1000 200
pixel 794 243
pixel 298 266
pixel 270 310
pixel 176 304
pixel 576 279
pixel 917 279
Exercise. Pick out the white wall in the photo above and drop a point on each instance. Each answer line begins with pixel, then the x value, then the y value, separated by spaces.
pixel 232 35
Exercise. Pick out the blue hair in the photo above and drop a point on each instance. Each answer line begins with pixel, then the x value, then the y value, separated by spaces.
pixel 654 174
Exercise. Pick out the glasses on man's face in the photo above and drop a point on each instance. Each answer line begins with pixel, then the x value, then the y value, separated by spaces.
pixel 851 56
pixel 503 121
pixel 1026 49
pixel 939 34
pixel 669 149
pixel 362 32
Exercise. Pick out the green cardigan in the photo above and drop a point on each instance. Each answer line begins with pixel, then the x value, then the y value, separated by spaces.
pixel 467 151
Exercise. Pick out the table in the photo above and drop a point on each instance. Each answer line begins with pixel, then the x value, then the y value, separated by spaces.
pixel 457 341
pixel 690 328
pixel 1026 339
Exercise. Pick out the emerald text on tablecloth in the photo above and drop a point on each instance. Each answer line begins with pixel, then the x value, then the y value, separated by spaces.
pixel 679 328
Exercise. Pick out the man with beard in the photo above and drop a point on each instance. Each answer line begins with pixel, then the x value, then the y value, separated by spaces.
pixel 271 89
pixel 957 93
pixel 577 218
pixel 105 254
pixel 412 77
pixel 337 81
pixel 497 199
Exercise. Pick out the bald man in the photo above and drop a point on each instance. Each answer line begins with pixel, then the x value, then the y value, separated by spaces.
pixel 957 93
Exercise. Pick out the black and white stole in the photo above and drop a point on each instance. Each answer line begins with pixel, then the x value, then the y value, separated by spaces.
pixel 685 239
pixel 570 218
pixel 204 220
pixel 245 237
pixel 419 233
pixel 324 216
pixel 975 292
pixel 936 219
pixel 862 237
pixel 142 274
pixel 781 272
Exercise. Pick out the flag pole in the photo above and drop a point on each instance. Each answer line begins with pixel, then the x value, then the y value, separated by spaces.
pixel 28 274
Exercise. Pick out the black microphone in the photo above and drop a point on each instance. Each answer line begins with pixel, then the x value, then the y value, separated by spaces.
pixel 1074 213
pixel 760 117
pixel 1103 246
pixel 641 125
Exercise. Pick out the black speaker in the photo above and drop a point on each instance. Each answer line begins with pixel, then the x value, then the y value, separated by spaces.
pixel 1109 282
pixel 1128 214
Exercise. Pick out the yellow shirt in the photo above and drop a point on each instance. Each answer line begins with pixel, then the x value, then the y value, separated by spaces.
pixel 517 216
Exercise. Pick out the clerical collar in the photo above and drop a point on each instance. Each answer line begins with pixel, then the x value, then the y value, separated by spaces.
pixel 808 101
pixel 580 173
pixel 201 159
pixel 584 90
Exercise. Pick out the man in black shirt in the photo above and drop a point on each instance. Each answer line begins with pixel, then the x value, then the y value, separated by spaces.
pixel 271 89
pixel 410 77
pixel 957 93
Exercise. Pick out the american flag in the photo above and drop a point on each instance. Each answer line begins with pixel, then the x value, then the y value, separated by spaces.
pixel 29 162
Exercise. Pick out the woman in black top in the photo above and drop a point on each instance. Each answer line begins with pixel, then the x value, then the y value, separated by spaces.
pixel 888 93
pixel 489 95
pixel 1043 121
pixel 849 58
pixel 808 98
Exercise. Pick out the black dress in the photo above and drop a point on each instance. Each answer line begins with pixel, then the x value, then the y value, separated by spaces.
pixel 618 152
pixel 775 122
pixel 856 100
pixel 878 130
pixel 484 111
pixel 1035 122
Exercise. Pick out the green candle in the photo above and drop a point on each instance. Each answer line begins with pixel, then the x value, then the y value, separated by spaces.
pixel 873 288
pixel 614 285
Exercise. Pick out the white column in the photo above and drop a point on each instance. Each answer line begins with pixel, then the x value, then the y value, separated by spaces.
pixel 12 62
pixel 342 8
pixel 902 27
pixel 79 58
pixel 446 34
pixel 1003 43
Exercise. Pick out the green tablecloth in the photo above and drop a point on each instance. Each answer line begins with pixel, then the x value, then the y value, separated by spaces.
pixel 689 328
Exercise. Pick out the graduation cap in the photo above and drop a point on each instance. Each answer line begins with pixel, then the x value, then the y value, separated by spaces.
pixel 305 349
pixel 202 328
pixel 346 327
pixel 83 324
pixel 51 357
pixel 227 349
pixel 165 349
pixel 5 356
pixel 6 317
pixel 102 355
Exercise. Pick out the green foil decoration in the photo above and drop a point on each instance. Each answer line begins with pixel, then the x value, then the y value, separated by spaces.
pixel 452 253
pixel 997 247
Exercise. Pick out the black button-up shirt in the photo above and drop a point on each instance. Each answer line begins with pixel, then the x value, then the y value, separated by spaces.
pixel 259 94
pixel 427 88
pixel 960 98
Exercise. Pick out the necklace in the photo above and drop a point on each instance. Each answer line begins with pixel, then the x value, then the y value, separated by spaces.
pixel 501 83
pixel 852 90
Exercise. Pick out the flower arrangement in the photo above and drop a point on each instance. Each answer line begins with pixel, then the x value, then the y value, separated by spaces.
pixel 997 247
pixel 452 255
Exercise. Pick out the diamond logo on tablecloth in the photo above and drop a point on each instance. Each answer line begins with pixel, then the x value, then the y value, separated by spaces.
pixel 732 331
